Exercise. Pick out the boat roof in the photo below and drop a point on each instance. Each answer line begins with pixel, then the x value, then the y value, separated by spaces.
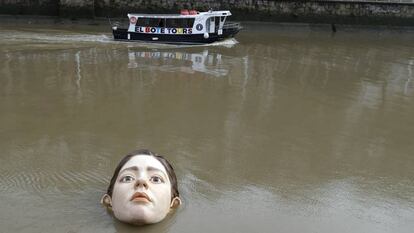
pixel 207 13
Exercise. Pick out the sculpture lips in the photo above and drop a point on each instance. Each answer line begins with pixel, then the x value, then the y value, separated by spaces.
pixel 140 197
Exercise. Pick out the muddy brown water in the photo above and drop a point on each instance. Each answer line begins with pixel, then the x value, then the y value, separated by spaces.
pixel 285 129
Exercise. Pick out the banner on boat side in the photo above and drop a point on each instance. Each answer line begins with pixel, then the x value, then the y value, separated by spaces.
pixel 158 30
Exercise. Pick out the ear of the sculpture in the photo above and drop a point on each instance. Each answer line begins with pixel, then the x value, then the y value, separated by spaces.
pixel 106 201
pixel 175 202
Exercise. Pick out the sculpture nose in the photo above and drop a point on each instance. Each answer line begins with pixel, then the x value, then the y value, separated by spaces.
pixel 141 183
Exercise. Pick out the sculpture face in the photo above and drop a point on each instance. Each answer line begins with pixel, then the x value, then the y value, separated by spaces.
pixel 142 191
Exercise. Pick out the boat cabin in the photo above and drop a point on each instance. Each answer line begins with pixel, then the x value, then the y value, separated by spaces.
pixel 188 27
pixel 188 22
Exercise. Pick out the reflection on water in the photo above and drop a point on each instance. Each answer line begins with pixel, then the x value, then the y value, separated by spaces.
pixel 289 130
pixel 205 62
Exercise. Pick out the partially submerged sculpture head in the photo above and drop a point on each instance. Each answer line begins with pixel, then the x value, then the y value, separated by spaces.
pixel 143 189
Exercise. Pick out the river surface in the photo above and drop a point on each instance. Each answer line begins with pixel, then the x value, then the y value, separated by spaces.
pixel 288 128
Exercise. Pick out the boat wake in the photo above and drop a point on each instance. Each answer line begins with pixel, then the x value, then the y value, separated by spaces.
pixel 48 37
pixel 225 43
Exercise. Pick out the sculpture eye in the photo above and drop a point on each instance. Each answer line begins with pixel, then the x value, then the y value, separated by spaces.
pixel 156 180
pixel 127 179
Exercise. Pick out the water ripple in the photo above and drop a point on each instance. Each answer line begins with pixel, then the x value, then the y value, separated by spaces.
pixel 38 181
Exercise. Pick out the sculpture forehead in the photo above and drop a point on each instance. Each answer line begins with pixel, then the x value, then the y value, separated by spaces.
pixel 144 161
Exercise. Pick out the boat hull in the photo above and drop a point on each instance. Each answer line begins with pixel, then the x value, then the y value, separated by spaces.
pixel 123 35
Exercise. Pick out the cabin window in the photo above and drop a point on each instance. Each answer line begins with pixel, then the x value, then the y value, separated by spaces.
pixel 151 22
pixel 179 22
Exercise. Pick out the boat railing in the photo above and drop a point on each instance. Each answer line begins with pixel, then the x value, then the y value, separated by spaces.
pixel 229 25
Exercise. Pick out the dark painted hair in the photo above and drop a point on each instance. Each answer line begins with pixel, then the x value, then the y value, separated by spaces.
pixel 163 161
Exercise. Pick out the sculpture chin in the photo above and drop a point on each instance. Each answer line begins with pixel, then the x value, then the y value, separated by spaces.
pixel 139 217
pixel 141 221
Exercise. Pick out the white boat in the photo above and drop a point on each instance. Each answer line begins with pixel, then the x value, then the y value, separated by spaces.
pixel 189 27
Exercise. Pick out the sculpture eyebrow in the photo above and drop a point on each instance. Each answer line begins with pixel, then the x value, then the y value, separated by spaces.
pixel 135 168
pixel 156 169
